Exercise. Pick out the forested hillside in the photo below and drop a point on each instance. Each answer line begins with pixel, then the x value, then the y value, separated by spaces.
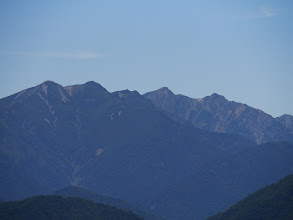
pixel 274 202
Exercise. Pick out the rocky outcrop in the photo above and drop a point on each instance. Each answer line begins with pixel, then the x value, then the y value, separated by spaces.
pixel 216 113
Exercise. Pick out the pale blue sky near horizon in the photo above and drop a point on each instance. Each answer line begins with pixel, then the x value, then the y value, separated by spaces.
pixel 242 50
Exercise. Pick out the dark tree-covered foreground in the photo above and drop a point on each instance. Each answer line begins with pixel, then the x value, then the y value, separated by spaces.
pixel 274 202
pixel 57 207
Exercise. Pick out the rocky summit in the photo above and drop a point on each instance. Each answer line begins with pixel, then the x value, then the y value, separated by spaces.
pixel 215 113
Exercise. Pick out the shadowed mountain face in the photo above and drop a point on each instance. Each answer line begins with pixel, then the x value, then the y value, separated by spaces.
pixel 74 191
pixel 57 207
pixel 274 202
pixel 215 113
pixel 286 121
pixel 120 145
pixel 224 183
pixel 51 136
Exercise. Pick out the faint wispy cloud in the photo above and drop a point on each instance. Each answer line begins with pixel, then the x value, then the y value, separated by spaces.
pixel 264 12
pixel 267 12
pixel 81 55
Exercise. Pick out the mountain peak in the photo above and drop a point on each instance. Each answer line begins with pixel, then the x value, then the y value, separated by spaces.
pixel 49 82
pixel 159 93
pixel 93 84
pixel 45 86
pixel 127 93
pixel 286 116
pixel 89 88
pixel 287 121
pixel 50 90
pixel 165 90
pixel 216 96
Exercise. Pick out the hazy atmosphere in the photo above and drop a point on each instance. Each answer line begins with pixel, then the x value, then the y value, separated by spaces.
pixel 155 110
pixel 243 51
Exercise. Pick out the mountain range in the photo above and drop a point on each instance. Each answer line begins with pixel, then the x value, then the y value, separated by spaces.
pixel 124 146
pixel 215 113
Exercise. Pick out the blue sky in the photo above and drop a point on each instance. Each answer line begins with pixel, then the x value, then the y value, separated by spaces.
pixel 242 50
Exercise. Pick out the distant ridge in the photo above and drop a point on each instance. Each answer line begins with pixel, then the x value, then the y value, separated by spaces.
pixel 216 113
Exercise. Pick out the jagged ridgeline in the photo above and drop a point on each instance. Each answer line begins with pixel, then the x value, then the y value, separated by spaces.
pixel 122 145
pixel 216 113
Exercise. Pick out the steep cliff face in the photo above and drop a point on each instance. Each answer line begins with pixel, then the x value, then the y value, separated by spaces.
pixel 216 113
pixel 286 121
